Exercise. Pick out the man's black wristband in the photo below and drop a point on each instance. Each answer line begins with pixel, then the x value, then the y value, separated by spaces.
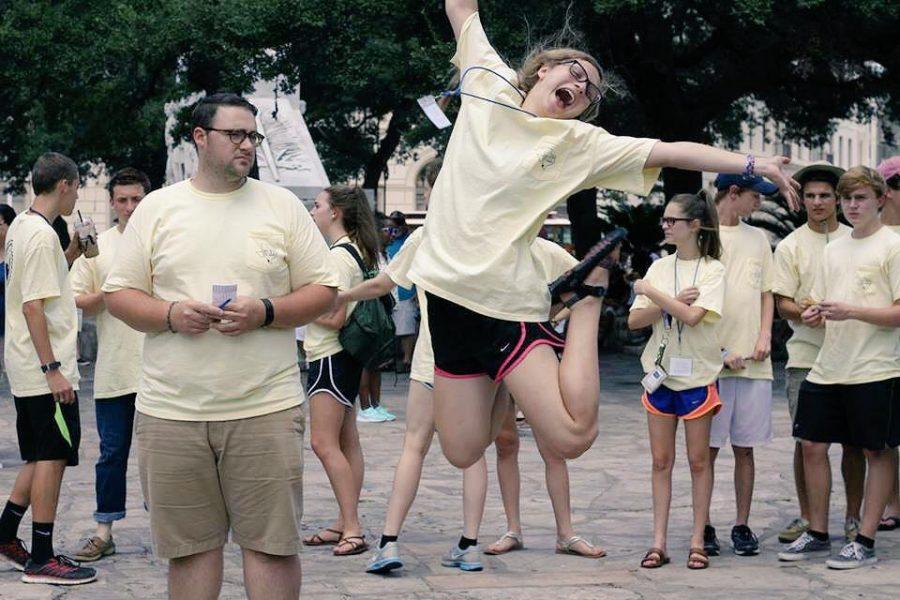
pixel 270 312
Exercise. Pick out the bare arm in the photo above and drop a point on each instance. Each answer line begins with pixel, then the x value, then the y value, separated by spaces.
pixel 376 287
pixel 37 329
pixel 788 309
pixel 90 304
pixel 60 387
pixel 767 314
pixel 886 316
pixel 644 317
pixel 689 315
pixel 145 313
pixel 698 157
pixel 303 305
pixel 334 319
pixel 458 11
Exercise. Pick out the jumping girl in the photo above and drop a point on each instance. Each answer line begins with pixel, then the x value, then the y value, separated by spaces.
pixel 681 297
pixel 518 149
pixel 342 215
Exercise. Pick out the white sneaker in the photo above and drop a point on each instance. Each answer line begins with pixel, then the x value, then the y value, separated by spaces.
pixel 385 560
pixel 466 560
pixel 384 413
pixel 368 415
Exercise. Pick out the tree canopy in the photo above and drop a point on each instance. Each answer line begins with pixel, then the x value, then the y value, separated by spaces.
pixel 90 78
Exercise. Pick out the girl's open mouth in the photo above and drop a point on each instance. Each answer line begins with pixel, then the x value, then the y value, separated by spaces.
pixel 565 97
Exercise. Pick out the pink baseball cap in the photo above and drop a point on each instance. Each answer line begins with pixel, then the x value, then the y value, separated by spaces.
pixel 889 167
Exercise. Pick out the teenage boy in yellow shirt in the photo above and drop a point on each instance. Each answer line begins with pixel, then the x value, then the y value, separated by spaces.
pixel 118 368
pixel 745 384
pixel 797 258
pixel 41 328
pixel 852 394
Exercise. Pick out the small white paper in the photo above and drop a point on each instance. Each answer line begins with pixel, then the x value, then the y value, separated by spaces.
pixel 221 293
pixel 681 367
pixel 433 112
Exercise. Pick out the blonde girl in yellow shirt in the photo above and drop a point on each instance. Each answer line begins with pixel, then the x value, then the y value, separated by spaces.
pixel 518 149
pixel 681 297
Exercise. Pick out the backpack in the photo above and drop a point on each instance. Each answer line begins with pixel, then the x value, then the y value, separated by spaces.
pixel 368 335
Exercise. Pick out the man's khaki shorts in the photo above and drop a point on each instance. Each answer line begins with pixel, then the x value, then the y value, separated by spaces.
pixel 201 479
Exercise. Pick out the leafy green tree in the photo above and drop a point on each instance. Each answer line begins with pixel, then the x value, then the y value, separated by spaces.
pixel 90 77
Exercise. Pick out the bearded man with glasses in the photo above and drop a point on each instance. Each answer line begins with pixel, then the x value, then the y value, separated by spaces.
pixel 218 271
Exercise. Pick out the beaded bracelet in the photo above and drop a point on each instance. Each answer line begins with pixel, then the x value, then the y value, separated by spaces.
pixel 169 317
pixel 750 166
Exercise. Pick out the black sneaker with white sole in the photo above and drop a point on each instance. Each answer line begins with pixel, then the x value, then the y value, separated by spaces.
pixel 59 570
pixel 744 541
pixel 710 541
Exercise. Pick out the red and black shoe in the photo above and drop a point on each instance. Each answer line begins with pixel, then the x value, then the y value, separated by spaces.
pixel 59 570
pixel 14 553
pixel 573 279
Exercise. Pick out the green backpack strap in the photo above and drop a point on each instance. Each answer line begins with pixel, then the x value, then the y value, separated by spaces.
pixel 367 274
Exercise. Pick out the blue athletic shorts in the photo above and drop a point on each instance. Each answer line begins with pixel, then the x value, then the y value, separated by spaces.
pixel 691 403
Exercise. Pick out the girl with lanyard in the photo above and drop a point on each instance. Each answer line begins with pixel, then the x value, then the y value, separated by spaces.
pixel 518 149
pixel 681 296
pixel 343 216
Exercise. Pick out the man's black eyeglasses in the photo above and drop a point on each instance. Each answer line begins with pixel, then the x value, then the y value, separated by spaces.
pixel 237 136
pixel 592 91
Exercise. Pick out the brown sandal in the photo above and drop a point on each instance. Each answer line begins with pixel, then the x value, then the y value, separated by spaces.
pixel 697 559
pixel 357 545
pixel 316 539
pixel 654 559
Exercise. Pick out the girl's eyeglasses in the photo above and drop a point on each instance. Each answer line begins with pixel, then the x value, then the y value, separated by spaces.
pixel 670 221
pixel 580 75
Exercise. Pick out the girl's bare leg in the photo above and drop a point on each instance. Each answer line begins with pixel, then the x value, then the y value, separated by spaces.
pixel 662 448
pixel 327 417
pixel 416 442
pixel 474 496
pixel 696 433
pixel 464 414
pixel 560 398
pixel 507 444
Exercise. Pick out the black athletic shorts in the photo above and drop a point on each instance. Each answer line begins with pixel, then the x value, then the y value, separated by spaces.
pixel 467 344
pixel 44 434
pixel 862 414
pixel 337 375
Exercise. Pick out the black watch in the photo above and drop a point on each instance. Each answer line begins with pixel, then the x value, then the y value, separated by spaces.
pixel 53 366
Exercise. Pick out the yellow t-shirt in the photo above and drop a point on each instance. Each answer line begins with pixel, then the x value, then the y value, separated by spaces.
pixel 503 171
pixel 747 257
pixel 797 257
pixel 699 343
pixel 37 270
pixel 119 347
pixel 321 342
pixel 552 259
pixel 860 272
pixel 178 244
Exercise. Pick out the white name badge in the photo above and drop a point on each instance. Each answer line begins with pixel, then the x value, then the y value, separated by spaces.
pixel 681 367
pixel 433 112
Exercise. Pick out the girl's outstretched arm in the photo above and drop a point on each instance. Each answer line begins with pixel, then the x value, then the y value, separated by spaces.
pixel 698 157
pixel 458 11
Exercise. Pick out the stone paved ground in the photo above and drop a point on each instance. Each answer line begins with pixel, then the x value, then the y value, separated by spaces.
pixel 611 501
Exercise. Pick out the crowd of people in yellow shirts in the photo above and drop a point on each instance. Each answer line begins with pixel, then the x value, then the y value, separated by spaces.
pixel 199 286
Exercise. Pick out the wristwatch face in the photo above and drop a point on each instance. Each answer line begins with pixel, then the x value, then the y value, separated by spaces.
pixel 50 366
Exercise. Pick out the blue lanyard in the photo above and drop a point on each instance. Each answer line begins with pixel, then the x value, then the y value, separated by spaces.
pixel 458 91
